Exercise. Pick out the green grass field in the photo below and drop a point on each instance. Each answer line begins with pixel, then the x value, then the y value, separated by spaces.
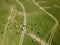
pixel 29 41
pixel 15 13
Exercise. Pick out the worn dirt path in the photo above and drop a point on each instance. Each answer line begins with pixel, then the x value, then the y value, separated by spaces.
pixel 24 27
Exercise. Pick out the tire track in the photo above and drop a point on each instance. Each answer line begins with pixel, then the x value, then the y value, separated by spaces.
pixel 56 21
pixel 24 27
pixel 7 26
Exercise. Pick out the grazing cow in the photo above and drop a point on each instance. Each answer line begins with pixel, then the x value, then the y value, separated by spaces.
pixel 31 28
pixel 34 24
pixel 2 32
pixel 40 23
pixel 33 41
pixel 38 32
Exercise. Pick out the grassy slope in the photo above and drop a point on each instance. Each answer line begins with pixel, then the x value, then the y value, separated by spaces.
pixel 55 11
pixel 31 10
